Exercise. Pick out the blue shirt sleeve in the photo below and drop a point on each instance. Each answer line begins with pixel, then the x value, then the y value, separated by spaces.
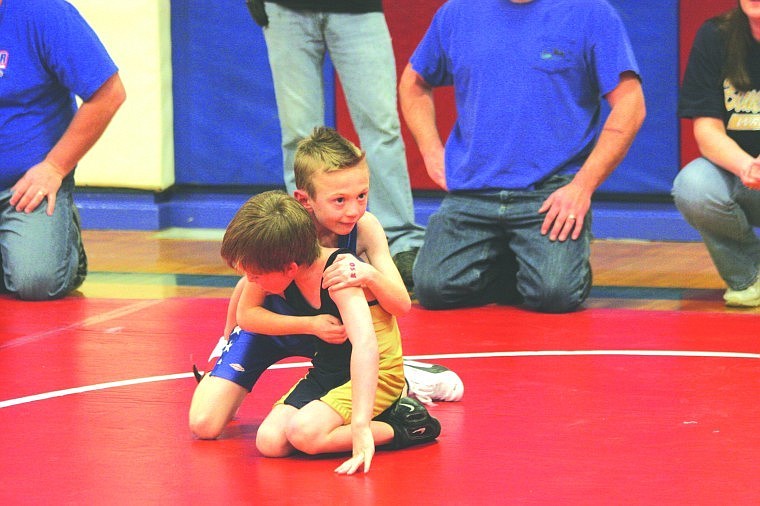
pixel 430 60
pixel 610 48
pixel 73 52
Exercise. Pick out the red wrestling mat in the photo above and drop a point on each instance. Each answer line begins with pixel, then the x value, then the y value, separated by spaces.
pixel 596 407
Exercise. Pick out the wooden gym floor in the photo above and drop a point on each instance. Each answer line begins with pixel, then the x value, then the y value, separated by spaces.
pixel 647 396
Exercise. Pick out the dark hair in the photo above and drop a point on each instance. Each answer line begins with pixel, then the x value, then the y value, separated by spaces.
pixel 268 232
pixel 734 26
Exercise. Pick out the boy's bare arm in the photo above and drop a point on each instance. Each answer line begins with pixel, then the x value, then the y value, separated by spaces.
pixel 231 322
pixel 250 315
pixel 365 359
pixel 380 275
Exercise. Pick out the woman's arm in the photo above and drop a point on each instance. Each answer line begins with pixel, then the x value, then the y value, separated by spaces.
pixel 715 145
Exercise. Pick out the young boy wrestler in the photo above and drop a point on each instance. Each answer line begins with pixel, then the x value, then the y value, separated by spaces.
pixel 333 182
pixel 350 399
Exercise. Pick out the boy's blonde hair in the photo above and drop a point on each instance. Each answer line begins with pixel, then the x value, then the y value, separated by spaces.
pixel 268 232
pixel 325 150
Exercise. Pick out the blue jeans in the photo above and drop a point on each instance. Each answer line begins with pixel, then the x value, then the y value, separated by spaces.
pixel 40 253
pixel 723 210
pixel 481 249
pixel 360 49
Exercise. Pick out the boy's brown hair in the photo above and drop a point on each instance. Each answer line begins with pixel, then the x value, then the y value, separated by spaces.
pixel 268 232
pixel 324 150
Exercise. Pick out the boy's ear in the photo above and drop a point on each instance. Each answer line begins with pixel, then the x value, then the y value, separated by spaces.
pixel 291 269
pixel 303 198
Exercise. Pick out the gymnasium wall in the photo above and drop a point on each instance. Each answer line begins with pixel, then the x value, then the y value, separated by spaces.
pixel 137 149
pixel 201 113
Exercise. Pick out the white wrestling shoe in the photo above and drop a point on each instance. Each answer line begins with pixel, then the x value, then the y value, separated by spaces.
pixel 432 382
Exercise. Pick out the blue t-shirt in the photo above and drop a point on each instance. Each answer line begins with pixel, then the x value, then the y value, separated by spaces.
pixel 528 81
pixel 48 54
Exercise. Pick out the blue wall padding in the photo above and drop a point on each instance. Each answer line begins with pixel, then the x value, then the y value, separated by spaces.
pixel 225 116
pixel 653 160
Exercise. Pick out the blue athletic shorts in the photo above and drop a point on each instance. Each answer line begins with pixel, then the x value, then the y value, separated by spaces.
pixel 248 355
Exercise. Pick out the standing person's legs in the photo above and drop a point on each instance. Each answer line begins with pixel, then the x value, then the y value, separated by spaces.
pixel 360 47
pixel 42 256
pixel 723 210
pixel 296 56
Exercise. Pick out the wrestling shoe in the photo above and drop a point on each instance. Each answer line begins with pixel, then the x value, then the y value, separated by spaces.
pixel 198 375
pixel 404 263
pixel 431 382
pixel 411 423
pixel 749 297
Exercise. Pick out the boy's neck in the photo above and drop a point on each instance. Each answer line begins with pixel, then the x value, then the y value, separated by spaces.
pixel 327 237
pixel 308 279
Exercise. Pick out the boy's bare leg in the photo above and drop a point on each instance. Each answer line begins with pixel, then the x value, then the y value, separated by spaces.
pixel 214 404
pixel 271 438
pixel 318 428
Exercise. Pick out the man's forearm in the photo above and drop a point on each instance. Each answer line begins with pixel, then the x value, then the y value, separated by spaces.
pixel 618 132
pixel 87 126
pixel 418 110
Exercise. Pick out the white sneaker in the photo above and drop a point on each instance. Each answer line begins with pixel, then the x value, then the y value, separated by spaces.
pixel 431 382
pixel 749 297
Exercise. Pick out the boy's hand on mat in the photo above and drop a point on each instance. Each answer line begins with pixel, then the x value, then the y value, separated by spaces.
pixel 364 450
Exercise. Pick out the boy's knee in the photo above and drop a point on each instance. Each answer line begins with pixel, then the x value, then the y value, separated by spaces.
pixel 271 443
pixel 304 437
pixel 204 426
